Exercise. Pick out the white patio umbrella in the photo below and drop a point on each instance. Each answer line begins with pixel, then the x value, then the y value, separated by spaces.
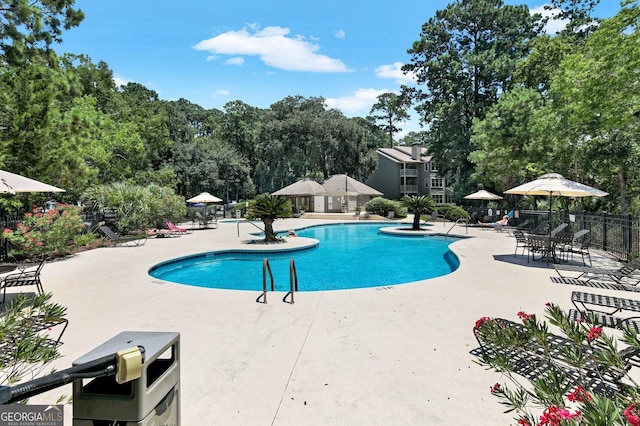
pixel 204 197
pixel 552 184
pixel 11 183
pixel 483 195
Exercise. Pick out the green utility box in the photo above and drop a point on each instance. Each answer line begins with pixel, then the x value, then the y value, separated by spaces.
pixel 151 399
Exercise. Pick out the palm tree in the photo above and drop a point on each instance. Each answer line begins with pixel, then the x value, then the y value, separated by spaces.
pixel 268 208
pixel 418 204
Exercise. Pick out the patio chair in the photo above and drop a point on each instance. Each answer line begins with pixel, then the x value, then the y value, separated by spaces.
pixel 542 228
pixel 521 242
pixel 617 275
pixel 204 222
pixel 558 229
pixel 25 277
pixel 582 249
pixel 126 241
pixel 391 215
pixel 174 229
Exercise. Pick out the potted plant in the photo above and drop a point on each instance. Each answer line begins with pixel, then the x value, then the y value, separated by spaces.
pixel 357 210
pixel 303 208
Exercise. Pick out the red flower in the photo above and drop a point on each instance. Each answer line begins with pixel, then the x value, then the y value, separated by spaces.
pixel 594 333
pixel 6 231
pixel 495 388
pixel 549 304
pixel 524 316
pixel 553 416
pixel 523 422
pixel 631 415
pixel 482 321
pixel 579 395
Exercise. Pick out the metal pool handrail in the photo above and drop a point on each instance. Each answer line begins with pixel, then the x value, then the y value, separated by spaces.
pixel 266 267
pixel 248 221
pixel 293 281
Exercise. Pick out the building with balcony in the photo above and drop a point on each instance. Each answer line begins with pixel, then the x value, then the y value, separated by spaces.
pixel 408 170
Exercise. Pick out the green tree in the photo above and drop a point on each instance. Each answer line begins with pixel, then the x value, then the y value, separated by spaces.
pixel 29 27
pixel 508 149
pixel 390 109
pixel 464 59
pixel 418 204
pixel 595 92
pixel 268 208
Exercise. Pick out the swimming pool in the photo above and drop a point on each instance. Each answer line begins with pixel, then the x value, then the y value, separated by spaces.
pixel 347 256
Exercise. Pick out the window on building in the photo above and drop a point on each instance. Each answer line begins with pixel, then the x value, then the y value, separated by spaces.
pixel 434 168
pixel 437 198
pixel 436 182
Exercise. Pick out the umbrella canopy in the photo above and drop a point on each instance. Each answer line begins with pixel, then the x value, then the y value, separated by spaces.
pixel 555 184
pixel 204 197
pixel 11 183
pixel 483 195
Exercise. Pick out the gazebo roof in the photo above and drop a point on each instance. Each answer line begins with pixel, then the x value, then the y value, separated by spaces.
pixel 302 187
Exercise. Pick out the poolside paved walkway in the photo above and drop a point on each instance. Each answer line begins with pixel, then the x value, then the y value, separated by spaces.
pixel 375 356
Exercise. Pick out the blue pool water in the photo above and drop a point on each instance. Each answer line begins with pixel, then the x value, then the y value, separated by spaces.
pixel 348 256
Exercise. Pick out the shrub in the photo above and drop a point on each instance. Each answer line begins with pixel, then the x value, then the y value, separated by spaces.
pixel 382 206
pixel 576 364
pixel 27 349
pixel 453 213
pixel 136 207
pixel 50 233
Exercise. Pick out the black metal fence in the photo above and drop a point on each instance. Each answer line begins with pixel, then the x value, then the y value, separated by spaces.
pixel 619 235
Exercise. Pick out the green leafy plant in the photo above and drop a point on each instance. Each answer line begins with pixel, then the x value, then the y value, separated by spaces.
pixel 268 208
pixel 27 349
pixel 419 204
pixel 50 233
pixel 382 206
pixel 575 377
pixel 136 207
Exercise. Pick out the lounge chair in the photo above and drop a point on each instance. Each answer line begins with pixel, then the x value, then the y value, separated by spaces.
pixel 117 240
pixel 605 285
pixel 617 275
pixel 25 277
pixel 593 305
pixel 533 359
pixel 177 229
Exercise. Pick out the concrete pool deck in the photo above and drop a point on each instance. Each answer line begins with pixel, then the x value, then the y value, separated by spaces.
pixel 395 355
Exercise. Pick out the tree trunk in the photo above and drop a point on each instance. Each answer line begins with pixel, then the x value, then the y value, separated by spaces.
pixel 269 235
pixel 624 185
pixel 416 219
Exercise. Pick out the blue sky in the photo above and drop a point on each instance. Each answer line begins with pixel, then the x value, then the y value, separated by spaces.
pixel 213 52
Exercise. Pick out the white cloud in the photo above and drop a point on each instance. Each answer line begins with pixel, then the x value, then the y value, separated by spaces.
pixel 395 72
pixel 274 47
pixel 340 34
pixel 120 81
pixel 358 103
pixel 554 25
pixel 220 93
pixel 235 61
